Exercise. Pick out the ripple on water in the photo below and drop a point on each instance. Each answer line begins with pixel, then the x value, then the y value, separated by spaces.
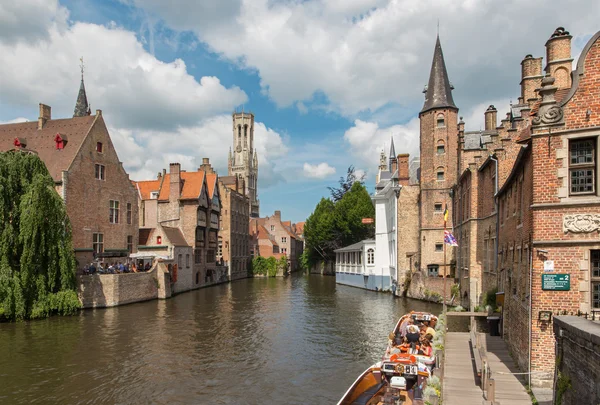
pixel 295 341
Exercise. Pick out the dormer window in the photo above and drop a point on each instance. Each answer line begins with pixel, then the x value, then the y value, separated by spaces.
pixel 61 141
pixel 154 195
pixel 20 143
pixel 99 147
pixel 440 121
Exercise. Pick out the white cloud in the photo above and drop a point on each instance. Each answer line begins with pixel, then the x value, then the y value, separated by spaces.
pixel 134 89
pixel 365 55
pixel 366 140
pixel 15 121
pixel 146 152
pixel 30 20
pixel 318 171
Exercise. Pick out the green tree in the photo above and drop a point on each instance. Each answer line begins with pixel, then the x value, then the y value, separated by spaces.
pixel 345 184
pixel 333 225
pixel 37 264
pixel 349 212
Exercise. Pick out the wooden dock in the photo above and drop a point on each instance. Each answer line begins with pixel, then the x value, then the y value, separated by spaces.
pixel 460 381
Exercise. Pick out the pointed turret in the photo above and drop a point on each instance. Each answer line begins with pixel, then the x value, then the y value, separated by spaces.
pixel 81 106
pixel 439 90
pixel 392 154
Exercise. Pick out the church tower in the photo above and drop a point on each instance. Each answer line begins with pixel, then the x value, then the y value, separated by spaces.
pixel 439 155
pixel 243 161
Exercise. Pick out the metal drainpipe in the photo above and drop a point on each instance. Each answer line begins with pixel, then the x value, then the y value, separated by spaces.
pixel 530 304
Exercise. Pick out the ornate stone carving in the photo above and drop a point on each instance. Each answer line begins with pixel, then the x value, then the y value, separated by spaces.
pixel 551 116
pixel 581 223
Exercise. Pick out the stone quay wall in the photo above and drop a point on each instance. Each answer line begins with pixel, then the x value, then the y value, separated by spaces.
pixel 577 360
pixel 110 290
pixel 427 288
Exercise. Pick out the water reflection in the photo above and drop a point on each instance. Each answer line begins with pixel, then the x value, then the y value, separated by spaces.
pixel 295 341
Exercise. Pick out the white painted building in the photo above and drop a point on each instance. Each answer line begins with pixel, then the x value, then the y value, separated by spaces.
pixel 385 199
pixel 355 265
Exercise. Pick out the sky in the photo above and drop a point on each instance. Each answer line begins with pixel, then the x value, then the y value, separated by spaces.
pixel 330 82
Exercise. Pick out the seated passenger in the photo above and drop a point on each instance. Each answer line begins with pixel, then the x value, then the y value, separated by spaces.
pixel 429 329
pixel 426 349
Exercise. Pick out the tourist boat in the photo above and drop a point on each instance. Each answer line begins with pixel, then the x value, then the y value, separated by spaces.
pixel 418 317
pixel 398 380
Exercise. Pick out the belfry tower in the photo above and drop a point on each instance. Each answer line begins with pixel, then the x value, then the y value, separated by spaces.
pixel 439 154
pixel 243 161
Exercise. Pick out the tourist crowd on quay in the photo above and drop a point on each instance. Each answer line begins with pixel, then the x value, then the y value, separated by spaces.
pixel 116 268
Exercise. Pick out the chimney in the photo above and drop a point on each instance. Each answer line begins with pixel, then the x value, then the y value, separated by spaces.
pixel 206 166
pixel 403 173
pixel 491 118
pixel 45 115
pixel 558 58
pixel 174 182
pixel 531 78
pixel 159 176
pixel 278 215
pixel 99 113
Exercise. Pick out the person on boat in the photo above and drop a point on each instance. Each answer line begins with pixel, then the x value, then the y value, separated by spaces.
pixel 426 349
pixel 404 326
pixel 429 329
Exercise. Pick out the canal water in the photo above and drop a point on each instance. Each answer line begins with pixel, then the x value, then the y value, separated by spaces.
pixel 298 340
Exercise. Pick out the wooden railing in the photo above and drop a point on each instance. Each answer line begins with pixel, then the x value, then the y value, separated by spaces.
pixel 482 367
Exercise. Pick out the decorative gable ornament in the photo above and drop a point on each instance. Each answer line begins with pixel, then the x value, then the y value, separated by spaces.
pixel 549 113
pixel 581 223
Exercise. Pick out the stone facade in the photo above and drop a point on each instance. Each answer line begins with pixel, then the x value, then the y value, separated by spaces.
pixel 100 200
pixel 110 290
pixel 243 160
pixel 577 347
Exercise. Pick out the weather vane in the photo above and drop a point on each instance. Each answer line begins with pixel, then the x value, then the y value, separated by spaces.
pixel 81 66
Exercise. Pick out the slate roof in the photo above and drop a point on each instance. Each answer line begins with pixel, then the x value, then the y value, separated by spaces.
pixel 82 108
pixel 144 236
pixel 211 181
pixel 42 141
pixel 356 246
pixel 439 90
pixel 192 185
pixel 175 236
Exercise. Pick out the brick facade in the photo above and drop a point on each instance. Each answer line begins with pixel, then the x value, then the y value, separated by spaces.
pixel 83 162
pixel 233 238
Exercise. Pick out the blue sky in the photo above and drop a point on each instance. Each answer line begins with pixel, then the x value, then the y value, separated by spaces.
pixel 329 82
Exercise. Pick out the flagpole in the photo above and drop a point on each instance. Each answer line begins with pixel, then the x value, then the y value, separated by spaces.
pixel 444 295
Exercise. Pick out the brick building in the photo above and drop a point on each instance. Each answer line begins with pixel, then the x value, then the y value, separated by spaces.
pixel 100 200
pixel 189 202
pixel 279 236
pixel 527 205
pixel 233 239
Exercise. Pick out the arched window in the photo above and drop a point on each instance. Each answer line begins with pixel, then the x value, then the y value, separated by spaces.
pixel 440 174
pixel 440 121
pixel 441 148
pixel 239 132
pixel 245 131
pixel 370 256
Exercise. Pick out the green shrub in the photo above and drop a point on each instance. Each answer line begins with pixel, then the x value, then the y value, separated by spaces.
pixel 489 298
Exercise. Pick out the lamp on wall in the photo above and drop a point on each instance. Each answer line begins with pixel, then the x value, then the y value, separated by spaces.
pixel 545 316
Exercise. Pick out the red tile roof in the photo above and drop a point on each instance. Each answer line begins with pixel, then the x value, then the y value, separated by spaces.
pixel 211 181
pixel 42 141
pixel 192 185
pixel 263 234
pixel 300 227
pixel 146 187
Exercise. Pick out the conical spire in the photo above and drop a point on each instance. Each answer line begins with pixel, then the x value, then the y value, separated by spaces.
pixel 392 149
pixel 439 90
pixel 82 108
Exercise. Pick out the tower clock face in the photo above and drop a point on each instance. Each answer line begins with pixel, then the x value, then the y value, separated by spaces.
pixel 239 148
